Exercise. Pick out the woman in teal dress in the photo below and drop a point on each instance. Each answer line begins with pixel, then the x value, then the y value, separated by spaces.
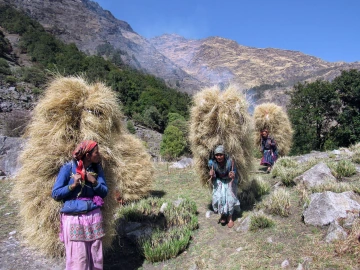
pixel 224 180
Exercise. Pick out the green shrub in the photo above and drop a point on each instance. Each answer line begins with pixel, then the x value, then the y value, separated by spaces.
pixel 4 67
pixel 130 126
pixel 260 221
pixel 173 143
pixel 11 80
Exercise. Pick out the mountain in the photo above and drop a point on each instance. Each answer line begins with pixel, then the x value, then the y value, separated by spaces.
pixel 217 60
pixel 86 24
pixel 185 64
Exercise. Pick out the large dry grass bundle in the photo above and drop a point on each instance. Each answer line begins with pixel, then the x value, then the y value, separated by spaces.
pixel 273 117
pixel 135 167
pixel 221 117
pixel 70 111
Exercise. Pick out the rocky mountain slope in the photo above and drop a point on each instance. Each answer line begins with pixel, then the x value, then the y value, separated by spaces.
pixel 217 60
pixel 182 63
pixel 86 24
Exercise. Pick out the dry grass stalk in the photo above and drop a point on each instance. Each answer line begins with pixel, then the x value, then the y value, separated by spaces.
pixel 220 117
pixel 70 111
pixel 351 244
pixel 273 117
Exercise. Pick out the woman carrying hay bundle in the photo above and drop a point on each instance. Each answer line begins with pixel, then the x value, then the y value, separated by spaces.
pixel 225 182
pixel 81 185
pixel 275 138
pixel 268 148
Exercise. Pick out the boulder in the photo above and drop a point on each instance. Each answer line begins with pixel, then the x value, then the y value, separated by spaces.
pixel 315 176
pixel 328 206
pixel 183 163
pixel 10 148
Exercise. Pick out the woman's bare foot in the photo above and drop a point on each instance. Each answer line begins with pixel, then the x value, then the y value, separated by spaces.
pixel 230 222
pixel 268 170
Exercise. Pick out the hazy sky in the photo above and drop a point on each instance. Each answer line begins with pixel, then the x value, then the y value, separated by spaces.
pixel 328 29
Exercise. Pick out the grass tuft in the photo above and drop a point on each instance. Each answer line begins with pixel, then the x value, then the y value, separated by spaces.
pixel 260 221
pixel 278 203
pixel 343 168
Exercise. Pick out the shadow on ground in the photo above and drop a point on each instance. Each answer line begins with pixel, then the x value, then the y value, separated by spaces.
pixel 124 255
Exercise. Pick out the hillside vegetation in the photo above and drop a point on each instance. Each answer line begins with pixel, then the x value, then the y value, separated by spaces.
pixel 144 97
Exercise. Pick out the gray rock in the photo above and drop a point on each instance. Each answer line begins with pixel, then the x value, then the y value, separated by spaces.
pixel 317 175
pixel 285 264
pixel 163 207
pixel 244 224
pixel 313 154
pixel 208 214
pixel 182 164
pixel 10 149
pixel 335 232
pixel 328 206
pixel 178 202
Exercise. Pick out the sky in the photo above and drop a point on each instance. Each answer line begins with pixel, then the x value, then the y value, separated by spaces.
pixel 328 29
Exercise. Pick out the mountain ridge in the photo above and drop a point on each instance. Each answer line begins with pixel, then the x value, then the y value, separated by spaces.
pixel 185 64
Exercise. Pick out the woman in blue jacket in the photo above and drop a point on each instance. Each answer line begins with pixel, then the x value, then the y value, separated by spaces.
pixel 81 186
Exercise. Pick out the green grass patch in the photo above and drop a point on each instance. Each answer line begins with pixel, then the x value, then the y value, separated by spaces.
pixel 260 221
pixel 173 225
pixel 343 168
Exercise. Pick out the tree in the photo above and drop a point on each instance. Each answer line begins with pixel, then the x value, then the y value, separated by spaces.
pixel 173 143
pixel 312 110
pixel 347 85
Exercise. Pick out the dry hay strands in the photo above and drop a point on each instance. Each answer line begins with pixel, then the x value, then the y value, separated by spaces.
pixel 275 119
pixel 221 117
pixel 134 168
pixel 70 111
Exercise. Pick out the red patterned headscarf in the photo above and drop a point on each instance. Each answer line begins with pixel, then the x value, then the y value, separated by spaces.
pixel 80 151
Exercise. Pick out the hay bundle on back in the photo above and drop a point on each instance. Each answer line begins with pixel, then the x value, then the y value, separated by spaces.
pixel 70 111
pixel 220 117
pixel 134 166
pixel 273 117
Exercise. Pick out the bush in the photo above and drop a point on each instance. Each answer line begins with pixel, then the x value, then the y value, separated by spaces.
pixel 173 143
pixel 34 76
pixel 130 126
pixel 4 67
pixel 10 80
pixel 260 221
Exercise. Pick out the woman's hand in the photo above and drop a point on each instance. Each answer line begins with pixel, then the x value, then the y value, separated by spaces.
pixel 212 173
pixel 77 181
pixel 91 179
pixel 232 175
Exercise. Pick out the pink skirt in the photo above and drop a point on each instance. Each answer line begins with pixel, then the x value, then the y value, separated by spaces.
pixel 82 235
